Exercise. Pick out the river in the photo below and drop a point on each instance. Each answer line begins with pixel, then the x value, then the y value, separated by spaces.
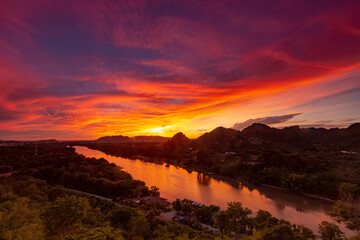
pixel 175 182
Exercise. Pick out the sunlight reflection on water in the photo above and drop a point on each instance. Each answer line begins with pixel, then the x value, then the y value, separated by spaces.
pixel 175 182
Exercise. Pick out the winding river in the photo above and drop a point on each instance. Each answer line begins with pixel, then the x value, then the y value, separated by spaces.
pixel 175 182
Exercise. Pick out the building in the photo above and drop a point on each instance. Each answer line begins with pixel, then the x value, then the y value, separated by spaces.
pixel 149 200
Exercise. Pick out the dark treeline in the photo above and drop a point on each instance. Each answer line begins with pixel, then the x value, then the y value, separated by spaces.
pixel 58 164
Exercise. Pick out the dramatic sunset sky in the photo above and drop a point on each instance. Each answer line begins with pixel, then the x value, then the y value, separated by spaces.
pixel 84 69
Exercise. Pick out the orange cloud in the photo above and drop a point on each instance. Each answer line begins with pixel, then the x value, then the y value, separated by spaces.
pixel 75 70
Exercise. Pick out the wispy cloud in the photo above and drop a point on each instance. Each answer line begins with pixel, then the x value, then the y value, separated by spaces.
pixel 124 68
pixel 7 115
pixel 350 95
pixel 265 120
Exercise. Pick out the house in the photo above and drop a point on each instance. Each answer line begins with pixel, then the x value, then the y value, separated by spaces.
pixel 169 215
pixel 155 200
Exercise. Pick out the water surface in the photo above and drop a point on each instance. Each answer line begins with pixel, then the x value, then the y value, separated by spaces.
pixel 175 182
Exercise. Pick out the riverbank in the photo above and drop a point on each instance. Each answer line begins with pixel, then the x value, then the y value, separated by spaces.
pixel 176 182
pixel 232 181
pixel 303 194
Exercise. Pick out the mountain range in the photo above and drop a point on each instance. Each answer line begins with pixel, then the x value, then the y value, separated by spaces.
pixel 223 139
pixel 120 138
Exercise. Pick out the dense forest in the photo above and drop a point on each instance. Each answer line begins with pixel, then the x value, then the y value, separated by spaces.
pixel 58 164
pixel 32 209
pixel 38 200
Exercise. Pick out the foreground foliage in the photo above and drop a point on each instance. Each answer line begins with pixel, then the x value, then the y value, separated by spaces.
pixel 50 212
pixel 35 203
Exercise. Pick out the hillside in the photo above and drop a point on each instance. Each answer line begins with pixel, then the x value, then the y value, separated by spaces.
pixel 296 136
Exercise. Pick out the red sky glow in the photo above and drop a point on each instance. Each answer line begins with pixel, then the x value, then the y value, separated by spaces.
pixel 85 69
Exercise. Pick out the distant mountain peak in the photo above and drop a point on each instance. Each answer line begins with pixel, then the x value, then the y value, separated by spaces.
pixel 354 126
pixel 259 125
pixel 220 128
pixel 179 136
pixel 178 142
pixel 117 138
pixel 256 127
pixel 295 127
pixel 121 138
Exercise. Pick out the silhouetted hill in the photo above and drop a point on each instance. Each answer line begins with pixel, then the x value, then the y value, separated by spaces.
pixel 302 136
pixel 121 139
pixel 354 128
pixel 178 142
pixel 177 146
pixel 179 138
pixel 354 131
pixel 149 139
pixel 260 134
pixel 114 139
pixel 47 141
pixel 227 139
pixel 221 139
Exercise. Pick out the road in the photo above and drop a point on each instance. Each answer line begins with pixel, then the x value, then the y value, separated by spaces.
pixel 94 195
pixel 99 197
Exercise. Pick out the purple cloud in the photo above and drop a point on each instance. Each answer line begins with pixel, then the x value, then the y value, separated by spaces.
pixel 265 120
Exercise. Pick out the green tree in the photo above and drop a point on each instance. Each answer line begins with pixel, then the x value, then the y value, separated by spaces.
pixel 263 219
pixel 214 209
pixel 150 216
pixel 120 217
pixel 294 182
pixel 55 192
pixel 204 214
pixel 330 231
pixel 221 221
pixel 303 233
pixel 63 214
pixel 139 227
pixel 282 231
pixel 19 219
pixel 177 205
pixel 154 191
pixel 238 217
pixel 187 209
pixel 347 210
pixel 346 189
pixel 95 233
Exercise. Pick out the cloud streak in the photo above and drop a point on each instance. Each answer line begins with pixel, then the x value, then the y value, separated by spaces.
pixel 265 120
pixel 122 67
